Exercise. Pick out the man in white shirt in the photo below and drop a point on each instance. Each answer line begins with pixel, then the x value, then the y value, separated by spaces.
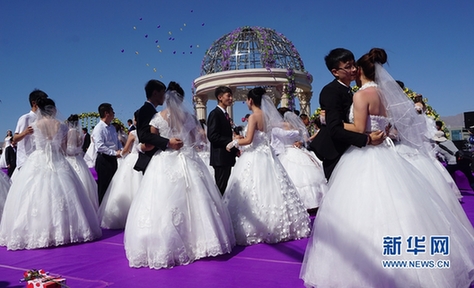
pixel 23 131
pixel 108 148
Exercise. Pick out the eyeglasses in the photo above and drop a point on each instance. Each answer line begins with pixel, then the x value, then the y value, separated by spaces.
pixel 348 68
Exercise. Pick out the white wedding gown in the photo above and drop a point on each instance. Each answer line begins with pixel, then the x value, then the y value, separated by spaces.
pixel 302 167
pixel 76 160
pixel 262 200
pixel 122 189
pixel 177 216
pixel 3 162
pixel 374 196
pixel 47 204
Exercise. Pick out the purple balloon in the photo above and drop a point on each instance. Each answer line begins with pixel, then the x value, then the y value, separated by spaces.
pixel 158 26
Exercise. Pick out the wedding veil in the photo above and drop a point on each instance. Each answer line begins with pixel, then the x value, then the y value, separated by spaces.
pixel 272 117
pixel 296 123
pixel 409 125
pixel 184 125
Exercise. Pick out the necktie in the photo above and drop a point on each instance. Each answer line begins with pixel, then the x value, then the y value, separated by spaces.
pixel 226 116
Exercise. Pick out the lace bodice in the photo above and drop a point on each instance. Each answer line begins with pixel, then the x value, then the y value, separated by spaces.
pixel 374 122
pixel 161 124
pixel 260 141
pixel 49 133
pixel 168 132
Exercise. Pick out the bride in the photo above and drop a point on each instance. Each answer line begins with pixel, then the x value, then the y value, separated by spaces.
pixel 262 200
pixel 177 216
pixel 378 211
pixel 302 166
pixel 47 205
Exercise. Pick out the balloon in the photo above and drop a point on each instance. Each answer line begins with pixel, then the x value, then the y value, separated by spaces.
pixel 158 26
pixel 123 50
pixel 136 52
pixel 154 69
pixel 134 28
pixel 146 35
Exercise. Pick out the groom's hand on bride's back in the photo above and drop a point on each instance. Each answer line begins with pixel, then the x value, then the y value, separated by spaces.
pixel 376 137
pixel 175 143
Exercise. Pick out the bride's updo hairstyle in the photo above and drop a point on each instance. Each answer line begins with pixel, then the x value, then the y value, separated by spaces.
pixel 46 106
pixel 367 62
pixel 256 95
pixel 173 86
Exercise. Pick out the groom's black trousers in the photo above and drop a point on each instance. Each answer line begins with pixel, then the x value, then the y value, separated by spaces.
pixel 221 175
pixel 105 166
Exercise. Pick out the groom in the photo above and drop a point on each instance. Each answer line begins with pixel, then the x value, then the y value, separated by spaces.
pixel 155 94
pixel 336 99
pixel 219 133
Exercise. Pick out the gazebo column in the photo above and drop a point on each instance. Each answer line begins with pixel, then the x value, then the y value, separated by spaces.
pixel 230 109
pixel 305 102
pixel 285 97
pixel 201 106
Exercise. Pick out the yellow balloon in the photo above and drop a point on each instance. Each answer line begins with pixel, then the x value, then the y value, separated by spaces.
pixel 154 69
pixel 169 32
pixel 136 52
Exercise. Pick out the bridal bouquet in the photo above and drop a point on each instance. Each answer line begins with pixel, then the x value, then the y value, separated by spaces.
pixel 39 278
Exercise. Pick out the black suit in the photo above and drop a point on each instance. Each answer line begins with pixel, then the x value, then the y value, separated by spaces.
pixel 87 142
pixel 143 117
pixel 219 133
pixel 10 159
pixel 332 140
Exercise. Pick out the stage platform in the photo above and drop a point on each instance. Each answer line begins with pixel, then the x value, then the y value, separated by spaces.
pixel 102 263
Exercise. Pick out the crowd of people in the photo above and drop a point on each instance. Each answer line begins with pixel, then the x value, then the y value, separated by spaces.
pixel 184 189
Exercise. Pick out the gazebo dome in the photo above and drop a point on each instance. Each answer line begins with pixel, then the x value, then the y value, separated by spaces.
pixel 251 48
pixel 253 56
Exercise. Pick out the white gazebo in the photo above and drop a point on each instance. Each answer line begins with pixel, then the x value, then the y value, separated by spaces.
pixel 249 57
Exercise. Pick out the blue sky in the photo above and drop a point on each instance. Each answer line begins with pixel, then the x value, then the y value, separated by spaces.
pixel 73 49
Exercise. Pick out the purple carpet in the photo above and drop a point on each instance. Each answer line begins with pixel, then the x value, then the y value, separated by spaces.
pixel 103 263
